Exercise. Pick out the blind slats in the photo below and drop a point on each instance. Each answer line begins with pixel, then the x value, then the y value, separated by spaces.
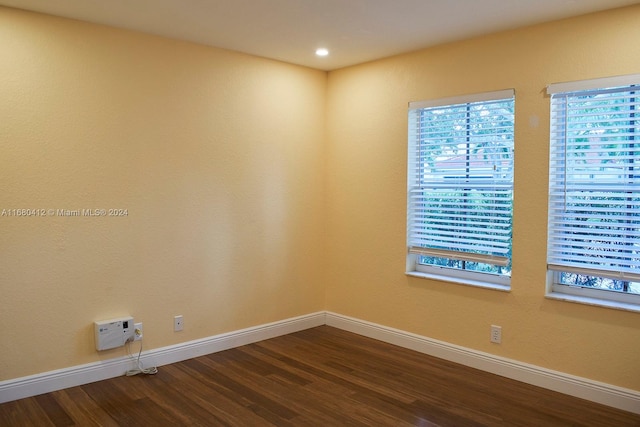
pixel 594 188
pixel 460 178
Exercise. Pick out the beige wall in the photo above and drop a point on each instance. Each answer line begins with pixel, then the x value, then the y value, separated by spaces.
pixel 366 181
pixel 217 156
pixel 247 202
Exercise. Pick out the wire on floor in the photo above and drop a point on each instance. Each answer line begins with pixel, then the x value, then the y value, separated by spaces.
pixel 140 367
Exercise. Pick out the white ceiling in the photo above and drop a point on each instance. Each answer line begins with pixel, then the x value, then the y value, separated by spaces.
pixel 355 31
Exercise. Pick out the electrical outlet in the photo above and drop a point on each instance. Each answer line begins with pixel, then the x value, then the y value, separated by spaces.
pixel 137 331
pixel 177 323
pixel 496 334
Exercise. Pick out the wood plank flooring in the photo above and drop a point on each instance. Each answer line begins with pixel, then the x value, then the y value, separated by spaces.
pixel 318 377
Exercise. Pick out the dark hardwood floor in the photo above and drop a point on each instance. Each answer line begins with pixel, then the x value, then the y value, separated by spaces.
pixel 318 377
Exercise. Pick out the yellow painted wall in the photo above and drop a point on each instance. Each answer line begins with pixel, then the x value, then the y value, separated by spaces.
pixel 217 156
pixel 366 199
pixel 254 187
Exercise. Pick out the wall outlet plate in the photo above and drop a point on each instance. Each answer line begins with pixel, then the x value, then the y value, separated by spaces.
pixel 137 331
pixel 177 323
pixel 496 334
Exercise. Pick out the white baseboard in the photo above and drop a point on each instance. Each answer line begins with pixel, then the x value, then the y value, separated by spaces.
pixel 617 397
pixel 606 394
pixel 78 375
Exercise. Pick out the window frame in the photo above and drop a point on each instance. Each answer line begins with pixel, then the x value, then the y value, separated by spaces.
pixel 554 286
pixel 453 275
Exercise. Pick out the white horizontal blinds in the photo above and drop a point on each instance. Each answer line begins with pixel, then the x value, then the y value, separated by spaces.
pixel 461 178
pixel 594 193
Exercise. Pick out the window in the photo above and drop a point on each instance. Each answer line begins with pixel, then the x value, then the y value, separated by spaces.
pixel 460 188
pixel 594 189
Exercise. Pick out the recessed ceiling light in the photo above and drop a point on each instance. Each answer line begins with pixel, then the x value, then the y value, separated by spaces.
pixel 322 52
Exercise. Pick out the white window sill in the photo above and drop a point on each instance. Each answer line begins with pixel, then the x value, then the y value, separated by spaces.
pixel 597 302
pixel 459 281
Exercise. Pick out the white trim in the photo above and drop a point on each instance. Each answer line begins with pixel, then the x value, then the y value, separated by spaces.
pixel 606 394
pixel 83 374
pixel 588 298
pixel 602 83
pixel 464 99
pixel 617 397
pixel 463 277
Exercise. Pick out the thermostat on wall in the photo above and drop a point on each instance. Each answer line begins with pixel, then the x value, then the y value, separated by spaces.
pixel 113 333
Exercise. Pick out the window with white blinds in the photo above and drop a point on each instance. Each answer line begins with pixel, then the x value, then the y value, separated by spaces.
pixel 460 185
pixel 594 185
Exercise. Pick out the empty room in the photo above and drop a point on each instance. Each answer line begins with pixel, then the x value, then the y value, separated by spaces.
pixel 305 212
